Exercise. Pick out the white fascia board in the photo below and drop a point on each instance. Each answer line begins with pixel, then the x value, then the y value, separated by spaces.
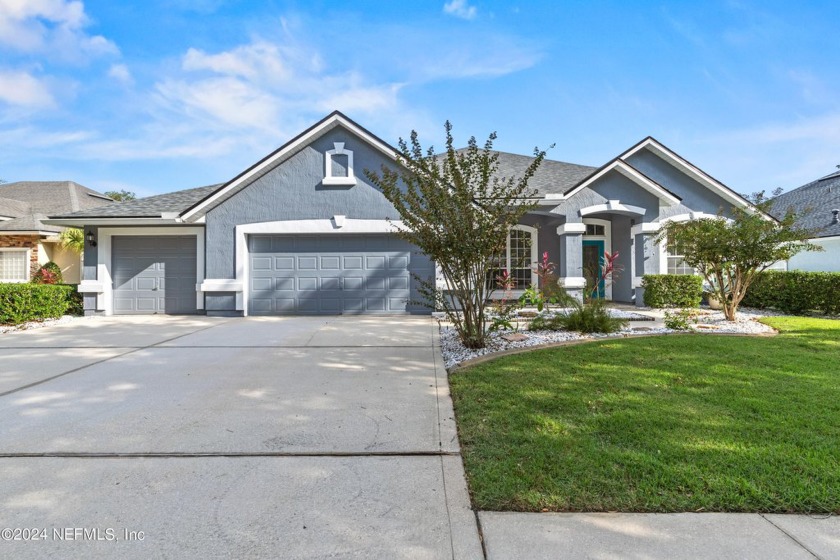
pixel 115 222
pixel 632 174
pixel 689 169
pixel 292 148
pixel 28 232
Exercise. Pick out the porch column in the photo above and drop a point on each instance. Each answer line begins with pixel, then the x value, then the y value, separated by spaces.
pixel 571 258
pixel 646 257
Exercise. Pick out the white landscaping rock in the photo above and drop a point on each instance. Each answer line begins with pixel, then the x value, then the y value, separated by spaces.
pixel 35 324
pixel 712 322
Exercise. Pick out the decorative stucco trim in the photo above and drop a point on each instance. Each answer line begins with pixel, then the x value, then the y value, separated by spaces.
pixel 90 287
pixel 105 298
pixel 220 285
pixel 645 227
pixel 613 207
pixel 292 227
pixel 338 150
pixel 634 175
pixel 285 151
pixel 572 282
pixel 571 229
pixel 692 216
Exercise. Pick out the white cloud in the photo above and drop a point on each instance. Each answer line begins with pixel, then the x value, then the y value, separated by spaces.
pixel 268 86
pixel 22 89
pixel 460 8
pixel 783 154
pixel 121 73
pixel 52 27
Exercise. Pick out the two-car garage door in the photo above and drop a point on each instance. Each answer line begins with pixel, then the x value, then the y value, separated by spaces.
pixel 333 274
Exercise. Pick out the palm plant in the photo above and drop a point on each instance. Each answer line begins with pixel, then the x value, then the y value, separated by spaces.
pixel 72 239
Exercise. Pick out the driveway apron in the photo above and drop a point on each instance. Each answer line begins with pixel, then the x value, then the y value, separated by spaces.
pixel 200 437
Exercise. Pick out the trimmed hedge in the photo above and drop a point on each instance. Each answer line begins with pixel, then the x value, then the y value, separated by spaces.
pixel 20 303
pixel 795 292
pixel 672 290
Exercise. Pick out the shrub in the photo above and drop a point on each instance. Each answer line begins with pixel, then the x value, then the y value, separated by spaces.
pixel 592 317
pixel 672 290
pixel 20 303
pixel 796 292
pixel 75 302
pixel 680 320
pixel 50 273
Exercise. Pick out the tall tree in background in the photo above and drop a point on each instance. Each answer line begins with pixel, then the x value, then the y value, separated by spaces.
pixel 121 196
pixel 455 209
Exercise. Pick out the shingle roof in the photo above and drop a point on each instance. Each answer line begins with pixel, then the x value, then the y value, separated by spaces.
pixel 552 177
pixel 28 222
pixel 52 197
pixel 11 208
pixel 814 202
pixel 29 202
pixel 149 207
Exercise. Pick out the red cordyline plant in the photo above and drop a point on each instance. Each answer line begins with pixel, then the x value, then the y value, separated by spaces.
pixel 610 271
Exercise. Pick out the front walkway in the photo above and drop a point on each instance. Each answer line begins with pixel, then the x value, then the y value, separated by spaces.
pixel 696 536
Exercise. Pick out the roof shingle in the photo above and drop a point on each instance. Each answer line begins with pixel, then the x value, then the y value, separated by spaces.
pixel 148 207
pixel 813 203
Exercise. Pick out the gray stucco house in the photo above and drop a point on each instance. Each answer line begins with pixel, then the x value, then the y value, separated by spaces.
pixel 303 232
pixel 817 206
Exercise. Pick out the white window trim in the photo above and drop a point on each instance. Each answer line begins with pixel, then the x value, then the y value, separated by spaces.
pixel 27 265
pixel 663 248
pixel 606 238
pixel 104 280
pixel 338 150
pixel 534 250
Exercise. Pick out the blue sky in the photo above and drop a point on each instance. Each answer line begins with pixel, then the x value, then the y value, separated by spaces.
pixel 160 95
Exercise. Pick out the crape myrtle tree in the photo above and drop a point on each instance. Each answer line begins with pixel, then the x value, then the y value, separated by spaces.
pixel 731 254
pixel 457 210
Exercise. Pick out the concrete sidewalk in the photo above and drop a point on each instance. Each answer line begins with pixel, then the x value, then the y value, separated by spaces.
pixel 651 536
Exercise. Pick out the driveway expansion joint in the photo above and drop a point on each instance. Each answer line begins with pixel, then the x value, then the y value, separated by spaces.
pixel 80 368
pixel 791 537
pixel 187 454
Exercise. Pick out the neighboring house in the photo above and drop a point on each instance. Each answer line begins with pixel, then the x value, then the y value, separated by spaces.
pixel 303 231
pixel 26 242
pixel 817 206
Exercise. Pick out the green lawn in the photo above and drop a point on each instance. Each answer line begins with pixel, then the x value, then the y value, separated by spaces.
pixel 672 423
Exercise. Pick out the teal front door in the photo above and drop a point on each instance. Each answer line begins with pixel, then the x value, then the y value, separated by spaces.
pixel 593 255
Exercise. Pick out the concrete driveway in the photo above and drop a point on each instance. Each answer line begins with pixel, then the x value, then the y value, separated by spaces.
pixel 258 437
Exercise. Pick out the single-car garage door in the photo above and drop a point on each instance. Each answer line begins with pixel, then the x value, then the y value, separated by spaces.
pixel 154 274
pixel 333 274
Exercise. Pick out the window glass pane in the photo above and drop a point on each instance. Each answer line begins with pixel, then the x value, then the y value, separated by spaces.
pixel 520 258
pixel 13 266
